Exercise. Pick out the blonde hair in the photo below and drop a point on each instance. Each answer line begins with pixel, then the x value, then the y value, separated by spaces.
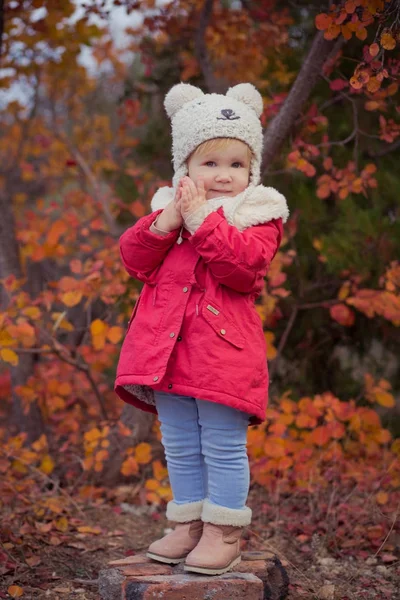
pixel 218 144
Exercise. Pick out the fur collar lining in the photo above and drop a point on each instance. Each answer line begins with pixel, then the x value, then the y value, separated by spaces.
pixel 255 205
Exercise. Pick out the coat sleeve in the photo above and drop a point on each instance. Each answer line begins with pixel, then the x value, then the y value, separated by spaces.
pixel 237 259
pixel 143 251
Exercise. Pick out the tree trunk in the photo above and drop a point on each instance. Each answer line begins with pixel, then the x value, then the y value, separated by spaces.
pixel 279 128
pixel 1 24
pixel 31 421
pixel 140 423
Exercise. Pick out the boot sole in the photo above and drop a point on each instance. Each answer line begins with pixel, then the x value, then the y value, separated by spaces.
pixel 165 559
pixel 207 571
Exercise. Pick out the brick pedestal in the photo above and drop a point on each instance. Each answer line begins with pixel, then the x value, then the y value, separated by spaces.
pixel 260 576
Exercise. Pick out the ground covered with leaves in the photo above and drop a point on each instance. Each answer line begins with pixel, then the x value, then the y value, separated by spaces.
pixel 61 558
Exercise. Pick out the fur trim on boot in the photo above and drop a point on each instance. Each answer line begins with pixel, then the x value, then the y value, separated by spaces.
pixel 183 513
pixel 220 515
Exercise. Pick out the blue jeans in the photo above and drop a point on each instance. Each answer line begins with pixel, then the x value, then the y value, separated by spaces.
pixel 205 448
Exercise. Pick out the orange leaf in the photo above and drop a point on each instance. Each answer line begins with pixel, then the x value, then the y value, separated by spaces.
pixel 152 485
pixel 97 327
pixel 56 231
pixel 342 314
pixel 373 85
pixel 320 436
pixel 143 453
pixel 71 298
pixel 271 350
pixel 114 334
pixel 374 49
pixel 385 399
pixel 274 447
pixel 382 497
pixel 322 21
pixel 15 591
pixel 350 6
pixel 387 41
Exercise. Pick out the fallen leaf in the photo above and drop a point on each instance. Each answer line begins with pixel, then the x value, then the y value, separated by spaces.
pixel 15 591
pixel 327 592
pixel 388 558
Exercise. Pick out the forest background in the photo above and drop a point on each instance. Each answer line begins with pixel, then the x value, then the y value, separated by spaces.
pixel 82 151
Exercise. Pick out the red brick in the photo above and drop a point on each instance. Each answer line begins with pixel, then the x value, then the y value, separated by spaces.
pixel 232 586
pixel 146 570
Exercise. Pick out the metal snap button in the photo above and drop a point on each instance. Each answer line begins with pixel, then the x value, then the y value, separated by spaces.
pixel 185 289
pixel 223 332
pixel 155 378
pixel 171 335
pixel 169 386
pixel 179 338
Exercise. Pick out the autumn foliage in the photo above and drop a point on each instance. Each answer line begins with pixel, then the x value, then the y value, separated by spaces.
pixel 80 160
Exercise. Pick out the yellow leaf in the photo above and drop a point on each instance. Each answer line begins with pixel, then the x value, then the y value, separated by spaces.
pixel 40 444
pixel 382 497
pixel 114 334
pixel 384 399
pixel 32 312
pixel 98 341
pixel 62 524
pixel 9 356
pixel 15 591
pixel 92 435
pixel 5 338
pixel 47 465
pixel 86 529
pixel 71 298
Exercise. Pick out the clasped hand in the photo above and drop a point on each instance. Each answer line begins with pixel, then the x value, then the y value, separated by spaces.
pixel 188 198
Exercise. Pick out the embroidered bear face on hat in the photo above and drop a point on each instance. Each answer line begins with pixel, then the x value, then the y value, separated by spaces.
pixel 197 117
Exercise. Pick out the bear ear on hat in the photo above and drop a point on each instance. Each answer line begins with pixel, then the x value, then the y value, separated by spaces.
pixel 179 95
pixel 248 94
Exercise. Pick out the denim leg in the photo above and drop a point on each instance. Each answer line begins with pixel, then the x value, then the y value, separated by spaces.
pixel 180 432
pixel 223 443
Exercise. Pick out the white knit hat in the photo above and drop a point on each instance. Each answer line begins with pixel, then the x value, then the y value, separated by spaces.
pixel 197 117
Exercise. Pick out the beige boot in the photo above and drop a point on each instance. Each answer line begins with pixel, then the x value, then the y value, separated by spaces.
pixel 176 545
pixel 218 551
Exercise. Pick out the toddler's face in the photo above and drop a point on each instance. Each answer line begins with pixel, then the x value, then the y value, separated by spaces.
pixel 225 172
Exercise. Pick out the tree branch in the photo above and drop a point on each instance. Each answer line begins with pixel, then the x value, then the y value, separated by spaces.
pixel 281 125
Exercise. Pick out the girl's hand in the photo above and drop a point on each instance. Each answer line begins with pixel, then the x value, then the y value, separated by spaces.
pixel 171 217
pixel 192 196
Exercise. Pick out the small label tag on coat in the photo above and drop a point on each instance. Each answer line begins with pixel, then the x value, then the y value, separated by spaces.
pixel 212 309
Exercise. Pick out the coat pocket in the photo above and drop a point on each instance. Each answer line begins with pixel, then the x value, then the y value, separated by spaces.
pixel 223 327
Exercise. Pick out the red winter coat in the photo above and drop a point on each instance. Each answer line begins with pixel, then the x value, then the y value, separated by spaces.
pixel 194 330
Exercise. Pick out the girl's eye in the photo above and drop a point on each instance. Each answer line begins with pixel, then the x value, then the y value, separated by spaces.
pixel 237 165
pixel 210 163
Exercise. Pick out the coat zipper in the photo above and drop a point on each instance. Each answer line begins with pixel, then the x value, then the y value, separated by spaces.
pixel 180 238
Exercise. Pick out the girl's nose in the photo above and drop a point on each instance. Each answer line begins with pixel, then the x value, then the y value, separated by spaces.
pixel 223 176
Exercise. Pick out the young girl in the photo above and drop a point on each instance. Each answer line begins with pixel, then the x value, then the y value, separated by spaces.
pixel 194 352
